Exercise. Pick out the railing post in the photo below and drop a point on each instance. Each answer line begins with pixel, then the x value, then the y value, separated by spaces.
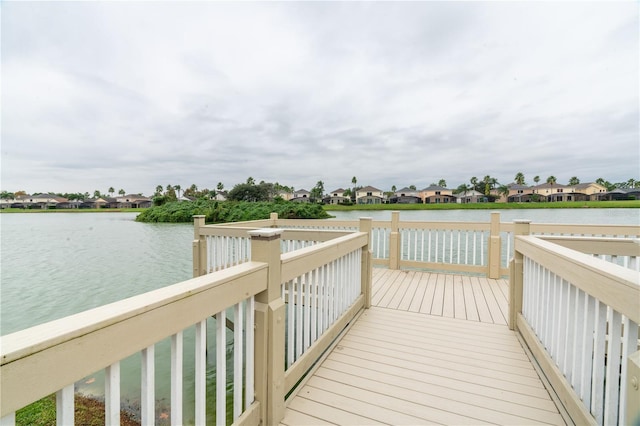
pixel 516 276
pixel 274 219
pixel 494 247
pixel 632 404
pixel 199 247
pixel 394 241
pixel 367 260
pixel 270 328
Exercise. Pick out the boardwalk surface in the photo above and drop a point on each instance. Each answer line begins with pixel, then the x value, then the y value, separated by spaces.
pixel 433 350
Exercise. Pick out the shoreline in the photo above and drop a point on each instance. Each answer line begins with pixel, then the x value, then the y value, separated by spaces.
pixel 629 204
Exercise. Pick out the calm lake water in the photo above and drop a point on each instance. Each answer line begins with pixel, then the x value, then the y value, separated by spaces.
pixel 58 264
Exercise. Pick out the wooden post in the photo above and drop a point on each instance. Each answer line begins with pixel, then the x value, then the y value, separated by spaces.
pixel 274 219
pixel 516 276
pixel 367 255
pixel 270 328
pixel 632 404
pixel 394 241
pixel 494 254
pixel 199 247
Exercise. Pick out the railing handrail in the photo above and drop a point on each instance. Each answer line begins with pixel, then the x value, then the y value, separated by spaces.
pixel 573 228
pixel 300 261
pixel 616 286
pixel 598 245
pixel 149 317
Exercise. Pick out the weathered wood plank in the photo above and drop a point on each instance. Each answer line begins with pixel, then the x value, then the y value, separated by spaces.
pixel 448 306
pixel 418 297
pixel 329 415
pixel 469 299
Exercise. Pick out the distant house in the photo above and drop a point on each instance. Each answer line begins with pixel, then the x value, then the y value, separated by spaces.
pixel 406 195
pixel 132 201
pixel 39 201
pixel 301 196
pixel 336 197
pixel 434 194
pixel 369 195
pixel 592 189
pixel 518 193
pixel 471 196
pixel 621 194
pixel 546 189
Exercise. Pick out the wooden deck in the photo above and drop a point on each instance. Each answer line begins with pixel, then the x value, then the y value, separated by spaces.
pixel 434 349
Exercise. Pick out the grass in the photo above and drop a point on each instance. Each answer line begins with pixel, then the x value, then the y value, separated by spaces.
pixel 490 206
pixel 88 411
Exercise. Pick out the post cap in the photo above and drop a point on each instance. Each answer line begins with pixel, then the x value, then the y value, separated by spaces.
pixel 265 233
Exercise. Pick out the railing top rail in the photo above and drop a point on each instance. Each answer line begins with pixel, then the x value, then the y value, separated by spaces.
pixel 612 284
pixel 42 359
pixel 480 226
pixel 330 222
pixel 575 228
pixel 307 259
pixel 287 234
pixel 598 245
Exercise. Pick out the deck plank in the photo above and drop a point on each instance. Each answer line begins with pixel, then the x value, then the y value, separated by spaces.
pixel 434 349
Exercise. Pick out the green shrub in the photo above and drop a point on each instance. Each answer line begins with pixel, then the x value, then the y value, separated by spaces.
pixel 230 211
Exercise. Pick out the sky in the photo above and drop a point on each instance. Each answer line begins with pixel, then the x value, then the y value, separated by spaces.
pixel 132 95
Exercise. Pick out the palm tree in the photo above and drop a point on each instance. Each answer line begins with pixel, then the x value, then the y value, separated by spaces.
pixel 503 190
pixel 159 189
pixel 474 183
pixel 251 181
pixel 220 186
pixel 487 184
pixel 177 188
pixel 551 180
pixel 96 194
pixel 111 191
pixel 393 188
pixel 442 183
pixel 354 181
pixel 574 181
pixel 536 179
pixel 519 178
pixel 121 192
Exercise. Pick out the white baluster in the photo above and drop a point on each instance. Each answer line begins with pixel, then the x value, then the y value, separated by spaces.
pixel 112 394
pixel 147 386
pixel 201 373
pixel 238 360
pixel 221 368
pixel 176 378
pixel 65 406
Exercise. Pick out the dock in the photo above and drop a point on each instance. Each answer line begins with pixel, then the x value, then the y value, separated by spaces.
pixel 433 349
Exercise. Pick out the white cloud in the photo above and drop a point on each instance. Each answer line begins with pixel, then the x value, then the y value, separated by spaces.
pixel 99 94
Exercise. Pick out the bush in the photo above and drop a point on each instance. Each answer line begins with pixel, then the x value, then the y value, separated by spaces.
pixel 230 211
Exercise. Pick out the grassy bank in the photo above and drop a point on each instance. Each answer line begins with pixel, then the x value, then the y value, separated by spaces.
pixel 491 206
pixel 88 411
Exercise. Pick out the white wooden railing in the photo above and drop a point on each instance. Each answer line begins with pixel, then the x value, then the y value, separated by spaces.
pixel 324 287
pixel 51 357
pixel 468 247
pixel 579 315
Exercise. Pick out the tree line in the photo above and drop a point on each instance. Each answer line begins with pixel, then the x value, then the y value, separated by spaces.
pixel 265 191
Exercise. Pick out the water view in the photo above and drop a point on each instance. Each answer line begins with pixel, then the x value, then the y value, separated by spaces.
pixel 54 265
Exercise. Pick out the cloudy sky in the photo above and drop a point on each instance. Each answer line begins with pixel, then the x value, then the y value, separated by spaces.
pixel 136 94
